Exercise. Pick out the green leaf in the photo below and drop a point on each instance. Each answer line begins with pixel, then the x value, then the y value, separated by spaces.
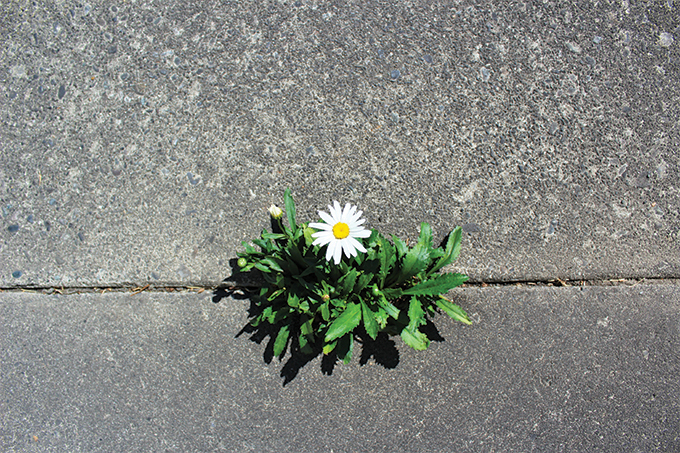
pixel 345 323
pixel 261 267
pixel 272 263
pixel 290 210
pixel 388 307
pixel 416 260
pixel 425 237
pixel 415 338
pixel 387 258
pixel 453 310
pixel 306 327
pixel 400 246
pixel 276 294
pixel 281 340
pixel 325 311
pixel 362 282
pixel 249 248
pixel 328 348
pixel 267 235
pixel 348 281
pixel 416 314
pixel 370 323
pixel 392 293
pixel 293 300
pixel 439 284
pixel 451 252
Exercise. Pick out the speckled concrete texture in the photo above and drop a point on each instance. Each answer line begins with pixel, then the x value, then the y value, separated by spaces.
pixel 142 141
pixel 544 369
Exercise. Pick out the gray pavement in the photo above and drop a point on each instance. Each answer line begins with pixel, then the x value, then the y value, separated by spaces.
pixel 141 142
pixel 544 369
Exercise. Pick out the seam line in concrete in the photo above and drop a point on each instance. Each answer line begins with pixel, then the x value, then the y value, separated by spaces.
pixel 557 282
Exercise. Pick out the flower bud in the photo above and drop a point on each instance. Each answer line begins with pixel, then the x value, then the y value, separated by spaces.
pixel 275 211
pixel 242 262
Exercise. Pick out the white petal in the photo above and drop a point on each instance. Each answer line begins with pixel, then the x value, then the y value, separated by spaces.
pixel 357 245
pixel 360 233
pixel 323 239
pixel 356 216
pixel 354 225
pixel 320 226
pixel 337 216
pixel 337 253
pixel 348 248
pixel 331 249
pixel 345 212
pixel 329 219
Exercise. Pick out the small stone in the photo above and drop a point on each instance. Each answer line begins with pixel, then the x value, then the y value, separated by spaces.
pixel 13 228
pixel 427 58
pixel 597 39
pixel 62 91
pixel 395 74
pixel 573 47
pixel 116 171
pixel 485 74
pixel 113 49
pixel 665 39
pixel 17 274
pixel 29 219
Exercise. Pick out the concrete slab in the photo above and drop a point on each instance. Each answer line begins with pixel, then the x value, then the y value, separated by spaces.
pixel 142 142
pixel 546 369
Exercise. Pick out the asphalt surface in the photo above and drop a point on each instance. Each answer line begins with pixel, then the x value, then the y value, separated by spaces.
pixel 142 141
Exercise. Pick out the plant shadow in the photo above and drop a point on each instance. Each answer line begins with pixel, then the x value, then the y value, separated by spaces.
pixel 382 350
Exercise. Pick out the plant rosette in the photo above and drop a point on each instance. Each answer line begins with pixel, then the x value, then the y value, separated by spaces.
pixel 328 282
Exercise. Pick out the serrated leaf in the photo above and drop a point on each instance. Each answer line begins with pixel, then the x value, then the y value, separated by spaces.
pixel 281 340
pixel 416 314
pixel 381 317
pixel 416 260
pixel 416 339
pixel 392 293
pixel 370 323
pixel 272 263
pixel 389 308
pixel 249 248
pixel 362 282
pixel 290 210
pixel 400 246
pixel 425 237
pixel 348 281
pixel 451 251
pixel 453 310
pixel 387 257
pixel 436 285
pixel 345 323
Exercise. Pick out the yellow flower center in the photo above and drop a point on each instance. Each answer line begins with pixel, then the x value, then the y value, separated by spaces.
pixel 340 230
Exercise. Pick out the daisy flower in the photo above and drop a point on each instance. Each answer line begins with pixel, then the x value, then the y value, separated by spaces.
pixel 340 230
